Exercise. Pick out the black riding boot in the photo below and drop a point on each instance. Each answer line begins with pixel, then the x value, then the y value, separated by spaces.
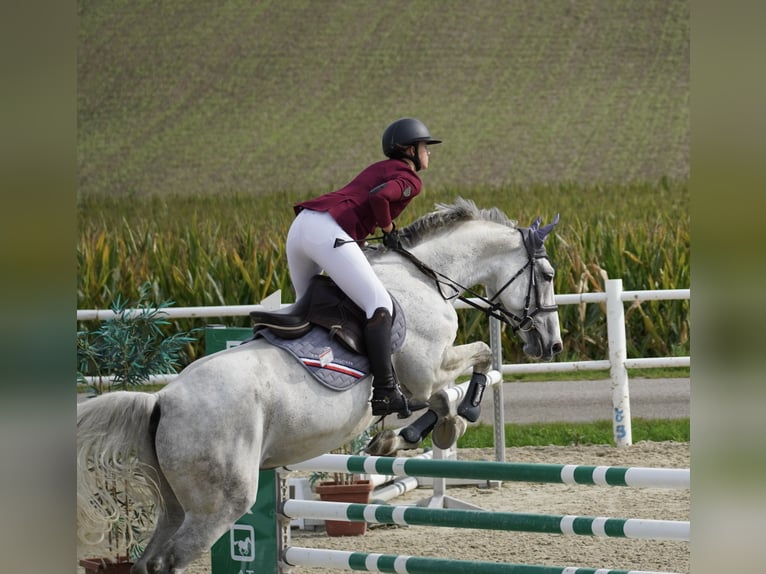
pixel 386 396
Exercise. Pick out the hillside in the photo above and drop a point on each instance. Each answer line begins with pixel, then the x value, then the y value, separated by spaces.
pixel 185 97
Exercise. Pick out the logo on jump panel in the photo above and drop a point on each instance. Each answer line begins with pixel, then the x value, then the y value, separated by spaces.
pixel 242 539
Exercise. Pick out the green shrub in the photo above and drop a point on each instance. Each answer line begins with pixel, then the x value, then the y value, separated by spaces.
pixel 131 346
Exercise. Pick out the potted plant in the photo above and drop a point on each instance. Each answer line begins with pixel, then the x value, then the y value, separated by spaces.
pixel 344 487
pixel 122 353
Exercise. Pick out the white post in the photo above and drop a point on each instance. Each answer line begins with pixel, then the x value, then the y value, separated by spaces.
pixel 615 326
pixel 496 344
pixel 439 497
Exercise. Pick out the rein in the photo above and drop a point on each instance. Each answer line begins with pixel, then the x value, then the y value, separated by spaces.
pixel 493 306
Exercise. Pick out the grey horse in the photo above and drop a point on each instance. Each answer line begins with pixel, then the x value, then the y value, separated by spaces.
pixel 195 447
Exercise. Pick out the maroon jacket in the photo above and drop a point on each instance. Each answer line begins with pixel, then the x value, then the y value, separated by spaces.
pixel 372 199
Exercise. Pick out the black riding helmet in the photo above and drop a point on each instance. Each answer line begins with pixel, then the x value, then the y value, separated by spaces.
pixel 403 133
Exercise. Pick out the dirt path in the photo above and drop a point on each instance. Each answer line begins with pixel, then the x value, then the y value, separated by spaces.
pixel 531 548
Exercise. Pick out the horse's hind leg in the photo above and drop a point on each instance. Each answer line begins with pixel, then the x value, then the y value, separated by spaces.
pixel 198 531
pixel 169 519
pixel 195 536
pixel 214 488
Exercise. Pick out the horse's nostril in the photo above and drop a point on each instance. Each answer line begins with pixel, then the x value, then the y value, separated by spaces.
pixel 557 348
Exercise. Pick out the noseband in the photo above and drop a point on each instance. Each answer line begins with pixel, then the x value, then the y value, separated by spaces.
pixel 493 307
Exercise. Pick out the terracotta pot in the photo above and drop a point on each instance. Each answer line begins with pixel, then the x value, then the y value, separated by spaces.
pixel 358 492
pixel 105 566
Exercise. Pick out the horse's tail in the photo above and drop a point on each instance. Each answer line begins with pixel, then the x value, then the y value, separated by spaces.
pixel 117 466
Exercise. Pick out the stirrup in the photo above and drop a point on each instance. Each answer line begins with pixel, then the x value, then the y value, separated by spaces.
pixel 392 401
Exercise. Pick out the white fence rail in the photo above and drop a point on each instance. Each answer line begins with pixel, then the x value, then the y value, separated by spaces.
pixel 617 362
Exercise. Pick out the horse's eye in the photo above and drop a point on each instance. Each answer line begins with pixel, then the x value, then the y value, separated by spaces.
pixel 548 277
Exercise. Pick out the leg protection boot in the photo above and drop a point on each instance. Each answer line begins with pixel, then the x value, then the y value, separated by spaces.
pixel 418 430
pixel 470 407
pixel 387 398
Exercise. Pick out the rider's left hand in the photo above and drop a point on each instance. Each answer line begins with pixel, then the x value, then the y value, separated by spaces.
pixel 391 239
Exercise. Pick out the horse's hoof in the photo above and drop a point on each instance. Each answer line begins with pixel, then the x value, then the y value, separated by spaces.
pixel 382 444
pixel 447 431
pixel 444 434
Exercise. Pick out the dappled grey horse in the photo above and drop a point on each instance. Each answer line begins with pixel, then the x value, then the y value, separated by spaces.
pixel 200 442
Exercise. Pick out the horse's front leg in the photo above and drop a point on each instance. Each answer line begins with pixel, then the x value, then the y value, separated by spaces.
pixel 388 442
pixel 453 418
pixel 444 418
pixel 455 362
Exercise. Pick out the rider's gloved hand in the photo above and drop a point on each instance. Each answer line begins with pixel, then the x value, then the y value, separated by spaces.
pixel 391 239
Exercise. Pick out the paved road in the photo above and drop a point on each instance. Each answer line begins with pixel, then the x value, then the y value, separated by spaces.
pixel 582 401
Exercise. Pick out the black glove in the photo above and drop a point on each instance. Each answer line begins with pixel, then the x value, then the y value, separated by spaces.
pixel 391 239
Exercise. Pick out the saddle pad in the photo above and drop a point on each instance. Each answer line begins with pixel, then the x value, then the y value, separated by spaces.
pixel 330 362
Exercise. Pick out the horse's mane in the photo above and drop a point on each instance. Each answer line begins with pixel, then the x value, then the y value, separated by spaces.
pixel 445 215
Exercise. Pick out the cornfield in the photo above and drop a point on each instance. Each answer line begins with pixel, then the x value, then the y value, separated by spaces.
pixel 229 250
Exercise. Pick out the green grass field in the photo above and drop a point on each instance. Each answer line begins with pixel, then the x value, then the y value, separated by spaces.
pixel 567 434
pixel 191 98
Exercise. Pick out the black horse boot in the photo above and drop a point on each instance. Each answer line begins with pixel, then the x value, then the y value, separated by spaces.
pixel 470 408
pixel 387 398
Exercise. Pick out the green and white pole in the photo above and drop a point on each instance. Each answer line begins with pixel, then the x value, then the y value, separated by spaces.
pixel 511 471
pixel 344 560
pixel 486 520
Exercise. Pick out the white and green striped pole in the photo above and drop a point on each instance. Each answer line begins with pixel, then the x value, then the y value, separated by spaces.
pixel 486 520
pixel 344 560
pixel 511 471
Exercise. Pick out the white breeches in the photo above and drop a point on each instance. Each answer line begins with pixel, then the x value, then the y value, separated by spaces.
pixel 310 250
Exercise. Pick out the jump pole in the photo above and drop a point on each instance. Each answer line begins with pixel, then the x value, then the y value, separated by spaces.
pixel 490 520
pixel 345 560
pixel 637 477
pixel 482 470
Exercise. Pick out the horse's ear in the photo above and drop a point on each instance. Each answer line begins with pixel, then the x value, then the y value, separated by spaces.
pixel 541 234
pixel 535 224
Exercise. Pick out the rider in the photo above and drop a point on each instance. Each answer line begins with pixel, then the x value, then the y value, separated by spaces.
pixel 374 198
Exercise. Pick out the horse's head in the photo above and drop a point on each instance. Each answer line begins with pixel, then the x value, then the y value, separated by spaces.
pixel 486 247
pixel 526 298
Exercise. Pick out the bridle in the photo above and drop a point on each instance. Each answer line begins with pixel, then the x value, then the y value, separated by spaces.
pixel 492 307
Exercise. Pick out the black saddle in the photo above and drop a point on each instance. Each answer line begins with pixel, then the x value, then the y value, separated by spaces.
pixel 324 304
